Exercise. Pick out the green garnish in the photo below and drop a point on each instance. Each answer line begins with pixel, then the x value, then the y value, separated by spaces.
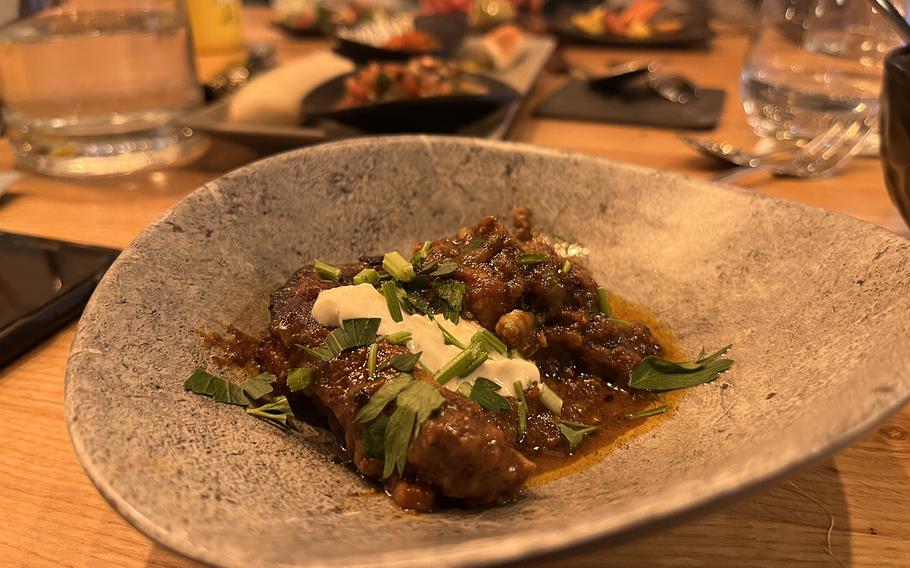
pixel 413 407
pixel 223 390
pixel 421 255
pixel 276 412
pixel 515 354
pixel 398 267
pixel 299 378
pixel 398 337
pixel 367 276
pixel 566 267
pixel 327 271
pixel 522 408
pixel 531 258
pixel 649 412
pixel 452 292
pixel 371 360
pixel 449 339
pixel 658 374
pixel 444 269
pixel 374 436
pixel 484 392
pixel 383 397
pixel 352 333
pixel 603 301
pixel 490 342
pixel 462 364
pixel 464 389
pixel 390 291
pixel 405 362
pixel 474 243
pixel 574 437
pixel 550 400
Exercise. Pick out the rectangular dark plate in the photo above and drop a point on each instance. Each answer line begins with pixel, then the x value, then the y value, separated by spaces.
pixel 269 138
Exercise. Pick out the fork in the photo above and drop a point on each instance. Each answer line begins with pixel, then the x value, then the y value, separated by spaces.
pixel 822 156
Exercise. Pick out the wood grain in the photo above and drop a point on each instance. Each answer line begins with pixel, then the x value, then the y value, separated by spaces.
pixel 51 515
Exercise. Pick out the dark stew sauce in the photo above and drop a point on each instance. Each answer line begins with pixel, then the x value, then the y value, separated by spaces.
pixel 546 310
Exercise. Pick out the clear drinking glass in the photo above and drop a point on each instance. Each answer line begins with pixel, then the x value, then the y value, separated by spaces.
pixel 812 63
pixel 91 87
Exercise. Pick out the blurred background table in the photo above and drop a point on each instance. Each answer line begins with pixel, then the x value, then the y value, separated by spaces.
pixel 50 515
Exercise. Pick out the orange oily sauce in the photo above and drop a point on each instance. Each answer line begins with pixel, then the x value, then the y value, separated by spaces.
pixel 616 433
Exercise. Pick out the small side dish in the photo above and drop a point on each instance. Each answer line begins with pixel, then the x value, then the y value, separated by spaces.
pixel 413 41
pixel 641 19
pixel 420 78
pixel 457 374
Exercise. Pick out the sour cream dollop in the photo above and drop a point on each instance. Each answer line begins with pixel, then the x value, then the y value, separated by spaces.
pixel 335 305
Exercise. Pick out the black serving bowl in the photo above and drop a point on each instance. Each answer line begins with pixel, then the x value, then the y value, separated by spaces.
pixel 895 128
pixel 364 42
pixel 444 114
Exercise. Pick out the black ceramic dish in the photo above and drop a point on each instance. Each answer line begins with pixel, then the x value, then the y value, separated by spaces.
pixel 364 42
pixel 429 115
pixel 695 31
pixel 895 128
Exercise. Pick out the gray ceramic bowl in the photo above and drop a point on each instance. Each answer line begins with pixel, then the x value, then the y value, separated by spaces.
pixel 817 306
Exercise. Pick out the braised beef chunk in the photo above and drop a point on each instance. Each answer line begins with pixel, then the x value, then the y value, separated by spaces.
pixel 538 304
pixel 460 451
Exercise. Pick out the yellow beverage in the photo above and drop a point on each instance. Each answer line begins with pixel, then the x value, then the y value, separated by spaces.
pixel 215 25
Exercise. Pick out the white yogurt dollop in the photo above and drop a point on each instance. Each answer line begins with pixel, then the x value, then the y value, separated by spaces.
pixel 363 301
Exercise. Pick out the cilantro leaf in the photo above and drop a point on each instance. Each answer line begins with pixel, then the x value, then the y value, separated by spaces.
pixel 404 362
pixel 299 378
pixel 397 438
pixel 223 390
pixel 355 332
pixel 451 291
pixel 655 373
pixel 484 393
pixel 276 412
pixel 258 386
pixel 574 437
pixel 383 397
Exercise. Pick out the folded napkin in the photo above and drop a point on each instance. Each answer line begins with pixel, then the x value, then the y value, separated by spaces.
pixel 631 105
pixel 274 97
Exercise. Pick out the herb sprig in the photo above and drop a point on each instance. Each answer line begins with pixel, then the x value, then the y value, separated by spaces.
pixel 355 332
pixel 658 374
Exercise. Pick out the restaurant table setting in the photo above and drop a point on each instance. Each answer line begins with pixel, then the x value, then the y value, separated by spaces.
pixel 167 165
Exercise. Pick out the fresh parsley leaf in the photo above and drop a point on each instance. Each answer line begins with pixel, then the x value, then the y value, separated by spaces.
pixel 258 386
pixel 397 438
pixel 421 255
pixel 444 269
pixel 484 393
pixel 649 412
pixel 299 378
pixel 382 397
pixel 416 303
pixel 276 412
pixel 404 362
pixel 221 390
pixel 374 437
pixel 452 292
pixel 423 398
pixel 355 332
pixel 655 373
pixel 474 243
pixel 574 437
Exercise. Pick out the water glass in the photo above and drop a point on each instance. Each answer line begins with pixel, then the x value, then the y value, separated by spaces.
pixel 91 87
pixel 813 63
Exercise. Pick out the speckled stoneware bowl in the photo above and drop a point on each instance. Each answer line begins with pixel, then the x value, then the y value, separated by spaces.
pixel 817 306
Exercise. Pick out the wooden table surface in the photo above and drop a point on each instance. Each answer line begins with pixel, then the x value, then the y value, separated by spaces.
pixel 858 501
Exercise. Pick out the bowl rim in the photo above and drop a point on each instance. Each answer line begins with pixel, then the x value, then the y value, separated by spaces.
pixel 691 498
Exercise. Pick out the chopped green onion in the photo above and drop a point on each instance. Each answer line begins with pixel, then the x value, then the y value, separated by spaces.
pixel 531 258
pixel 421 255
pixel 522 408
pixel 398 337
pixel 299 378
pixel 371 360
pixel 649 412
pixel 464 389
pixel 603 301
pixel 566 267
pixel 367 276
pixel 398 267
pixel 490 342
pixel 327 271
pixel 515 354
pixel 550 400
pixel 390 291
pixel 450 339
pixel 462 364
